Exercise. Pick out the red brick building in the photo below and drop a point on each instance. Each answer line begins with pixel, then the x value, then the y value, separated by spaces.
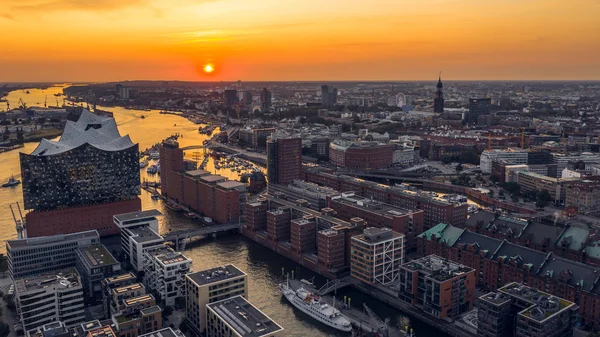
pixel 377 214
pixel 435 210
pixel 498 262
pixel 363 155
pixel 331 249
pixel 284 159
pixel 303 236
pixel 278 224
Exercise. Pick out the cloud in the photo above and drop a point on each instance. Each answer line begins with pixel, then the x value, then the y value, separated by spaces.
pixel 7 16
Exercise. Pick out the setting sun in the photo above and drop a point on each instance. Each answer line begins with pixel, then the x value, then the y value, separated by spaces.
pixel 209 68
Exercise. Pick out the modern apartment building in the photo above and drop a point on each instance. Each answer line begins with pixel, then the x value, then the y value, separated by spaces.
pixel 140 315
pixel 139 232
pixel 119 295
pixel 51 297
pixel 209 286
pixel 440 287
pixel 165 332
pixel 236 317
pixel 521 311
pixel 28 257
pixel 113 282
pixel 376 255
pixel 94 264
pixel 164 271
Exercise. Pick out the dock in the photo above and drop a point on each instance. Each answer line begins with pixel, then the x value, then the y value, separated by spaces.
pixel 361 321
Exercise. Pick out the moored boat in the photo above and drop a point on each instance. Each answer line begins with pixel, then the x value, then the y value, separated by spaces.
pixel 11 182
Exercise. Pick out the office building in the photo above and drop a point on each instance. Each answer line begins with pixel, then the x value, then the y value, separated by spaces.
pixel 584 196
pixel 209 286
pixel 377 214
pixel 376 255
pixel 265 99
pixel 521 311
pixel 556 187
pixel 512 156
pixel 139 232
pixel 54 329
pixel 360 154
pixel 102 331
pixel 440 287
pixel 236 317
pixel 230 97
pixel 58 176
pixel 562 160
pixel 328 96
pixel 284 158
pixel 278 224
pixel 246 97
pixel 140 316
pixel 477 107
pixel 438 100
pixel 94 264
pixel 28 257
pixel 51 297
pixel 164 271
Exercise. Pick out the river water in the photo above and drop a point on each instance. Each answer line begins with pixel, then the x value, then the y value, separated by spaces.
pixel 263 267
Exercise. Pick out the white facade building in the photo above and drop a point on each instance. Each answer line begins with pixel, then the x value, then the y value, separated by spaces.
pixel 376 255
pixel 139 232
pixel 50 298
pixel 404 155
pixel 511 155
pixel 164 271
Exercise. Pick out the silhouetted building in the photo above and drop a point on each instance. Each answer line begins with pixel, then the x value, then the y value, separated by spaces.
pixel 328 96
pixel 284 159
pixel 230 96
pixel 478 107
pixel 438 100
pixel 265 99
pixel 80 181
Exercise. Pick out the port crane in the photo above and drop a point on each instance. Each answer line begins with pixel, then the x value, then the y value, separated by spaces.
pixel 46 102
pixel 22 104
pixel 383 327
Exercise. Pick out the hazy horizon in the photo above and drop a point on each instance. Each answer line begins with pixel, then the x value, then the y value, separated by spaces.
pixel 299 40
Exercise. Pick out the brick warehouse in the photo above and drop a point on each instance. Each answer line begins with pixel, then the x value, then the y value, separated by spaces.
pixel 498 262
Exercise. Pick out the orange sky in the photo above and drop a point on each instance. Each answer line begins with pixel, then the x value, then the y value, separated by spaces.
pixel 106 40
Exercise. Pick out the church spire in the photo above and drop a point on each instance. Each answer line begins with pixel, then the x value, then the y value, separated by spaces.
pixel 439 84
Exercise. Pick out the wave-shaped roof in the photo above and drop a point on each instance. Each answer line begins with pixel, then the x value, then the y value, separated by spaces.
pixel 97 131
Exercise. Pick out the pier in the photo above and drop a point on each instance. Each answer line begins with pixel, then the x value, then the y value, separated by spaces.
pixel 362 318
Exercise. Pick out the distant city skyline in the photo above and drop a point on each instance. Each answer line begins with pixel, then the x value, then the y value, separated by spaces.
pixel 309 40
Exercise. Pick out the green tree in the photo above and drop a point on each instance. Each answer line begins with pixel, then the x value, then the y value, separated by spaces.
pixel 542 199
pixel 511 187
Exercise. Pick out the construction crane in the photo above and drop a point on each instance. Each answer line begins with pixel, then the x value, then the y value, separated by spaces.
pixel 382 327
pixel 46 102
pixel 7 106
pixel 22 104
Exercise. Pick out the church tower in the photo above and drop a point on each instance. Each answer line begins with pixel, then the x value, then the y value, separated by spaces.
pixel 438 101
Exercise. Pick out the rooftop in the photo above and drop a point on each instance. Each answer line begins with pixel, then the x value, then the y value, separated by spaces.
pixel 495 297
pixel 197 173
pixel 131 287
pixel 97 255
pixel 62 279
pixel 105 331
pixel 45 240
pixel 231 184
pixel 166 332
pixel 375 206
pixel 138 215
pixel 543 305
pixel 97 131
pixel 144 234
pixel 376 235
pixel 437 267
pixel 167 255
pixel 213 178
pixel 214 275
pixel 150 310
pixel 244 318
pixel 120 278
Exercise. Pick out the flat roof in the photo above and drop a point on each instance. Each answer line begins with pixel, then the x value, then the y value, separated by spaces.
pixel 437 267
pixel 137 215
pixel 375 235
pixel 105 331
pixel 120 278
pixel 543 305
pixel 134 286
pixel 197 173
pixel 217 274
pixel 144 234
pixel 231 184
pixel 151 310
pixel 212 178
pixel 373 206
pixel 166 332
pixel 332 220
pixel 61 279
pixel 244 318
pixel 139 299
pixel 97 255
pixel 45 240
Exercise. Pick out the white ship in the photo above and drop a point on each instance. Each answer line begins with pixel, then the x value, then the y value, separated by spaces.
pixel 310 304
